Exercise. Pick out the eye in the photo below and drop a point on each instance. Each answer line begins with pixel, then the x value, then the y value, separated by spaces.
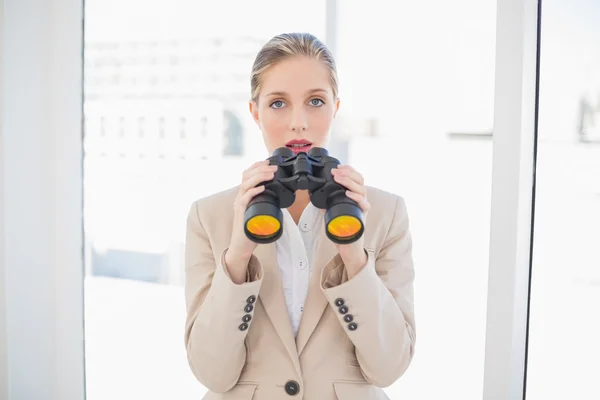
pixel 277 104
pixel 316 102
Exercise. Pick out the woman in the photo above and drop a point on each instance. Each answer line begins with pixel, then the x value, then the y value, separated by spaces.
pixel 302 317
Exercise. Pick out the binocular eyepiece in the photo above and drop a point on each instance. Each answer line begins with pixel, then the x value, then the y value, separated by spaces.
pixel 263 220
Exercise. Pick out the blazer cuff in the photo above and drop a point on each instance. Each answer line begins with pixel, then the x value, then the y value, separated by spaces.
pixel 235 302
pixel 335 273
pixel 341 291
pixel 254 271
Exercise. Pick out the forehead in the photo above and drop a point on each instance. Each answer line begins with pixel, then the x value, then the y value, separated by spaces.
pixel 296 75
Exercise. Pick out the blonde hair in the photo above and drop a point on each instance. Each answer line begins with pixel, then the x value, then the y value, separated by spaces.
pixel 288 45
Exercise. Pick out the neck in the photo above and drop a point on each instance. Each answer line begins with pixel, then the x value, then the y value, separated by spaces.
pixel 296 209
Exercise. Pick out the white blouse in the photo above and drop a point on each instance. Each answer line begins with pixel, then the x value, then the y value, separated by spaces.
pixel 295 249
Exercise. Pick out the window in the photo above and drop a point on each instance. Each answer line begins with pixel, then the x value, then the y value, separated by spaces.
pixel 166 121
pixel 166 107
pixel 565 322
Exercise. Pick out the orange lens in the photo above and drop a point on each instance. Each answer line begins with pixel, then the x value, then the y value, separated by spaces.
pixel 344 226
pixel 263 225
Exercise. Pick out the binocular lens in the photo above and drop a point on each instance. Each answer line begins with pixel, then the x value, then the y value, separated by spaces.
pixel 263 226
pixel 344 222
pixel 344 227
pixel 263 219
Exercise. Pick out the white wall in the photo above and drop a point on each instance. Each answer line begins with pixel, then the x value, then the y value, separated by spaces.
pixel 3 343
pixel 41 353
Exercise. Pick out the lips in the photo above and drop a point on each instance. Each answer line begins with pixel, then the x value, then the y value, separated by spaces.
pixel 298 146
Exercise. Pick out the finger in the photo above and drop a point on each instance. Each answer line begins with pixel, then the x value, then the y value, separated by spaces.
pixel 249 195
pixel 350 184
pixel 253 167
pixel 257 164
pixel 362 201
pixel 264 172
pixel 346 167
pixel 259 170
pixel 355 175
pixel 346 170
pixel 257 178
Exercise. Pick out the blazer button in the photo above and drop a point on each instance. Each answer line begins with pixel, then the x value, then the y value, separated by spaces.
pixel 348 318
pixel 339 302
pixel 248 317
pixel 243 327
pixel 249 308
pixel 251 299
pixel 352 326
pixel 343 309
pixel 292 388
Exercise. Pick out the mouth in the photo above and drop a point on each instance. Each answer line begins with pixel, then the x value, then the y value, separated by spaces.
pixel 298 146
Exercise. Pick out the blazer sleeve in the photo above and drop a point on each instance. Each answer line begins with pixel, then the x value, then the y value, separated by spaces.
pixel 218 311
pixel 375 307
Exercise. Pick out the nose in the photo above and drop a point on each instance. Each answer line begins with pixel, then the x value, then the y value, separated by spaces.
pixel 299 121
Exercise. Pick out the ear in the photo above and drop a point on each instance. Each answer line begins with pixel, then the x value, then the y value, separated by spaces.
pixel 337 107
pixel 253 107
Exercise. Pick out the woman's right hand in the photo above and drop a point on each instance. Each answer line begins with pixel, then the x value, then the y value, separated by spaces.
pixel 241 248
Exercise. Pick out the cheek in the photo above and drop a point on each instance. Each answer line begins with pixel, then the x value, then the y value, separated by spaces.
pixel 321 121
pixel 273 123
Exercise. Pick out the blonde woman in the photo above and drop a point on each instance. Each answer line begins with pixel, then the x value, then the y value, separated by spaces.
pixel 302 317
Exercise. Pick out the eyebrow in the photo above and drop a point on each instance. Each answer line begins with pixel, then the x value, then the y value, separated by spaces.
pixel 284 93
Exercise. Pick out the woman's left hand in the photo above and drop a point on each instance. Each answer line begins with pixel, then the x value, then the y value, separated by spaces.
pixel 353 254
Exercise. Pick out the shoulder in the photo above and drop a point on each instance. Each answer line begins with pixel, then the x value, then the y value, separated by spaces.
pixel 387 215
pixel 383 202
pixel 211 217
pixel 216 205
pixel 220 199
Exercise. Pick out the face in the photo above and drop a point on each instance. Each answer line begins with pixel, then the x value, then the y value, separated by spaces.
pixel 295 107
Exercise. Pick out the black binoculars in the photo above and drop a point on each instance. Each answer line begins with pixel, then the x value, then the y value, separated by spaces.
pixel 263 220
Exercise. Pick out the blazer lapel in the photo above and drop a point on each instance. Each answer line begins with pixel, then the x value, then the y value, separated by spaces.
pixel 273 299
pixel 316 302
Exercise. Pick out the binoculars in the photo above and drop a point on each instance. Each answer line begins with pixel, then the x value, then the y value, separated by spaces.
pixel 263 219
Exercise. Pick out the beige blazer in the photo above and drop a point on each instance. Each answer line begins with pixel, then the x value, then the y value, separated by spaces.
pixel 355 337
